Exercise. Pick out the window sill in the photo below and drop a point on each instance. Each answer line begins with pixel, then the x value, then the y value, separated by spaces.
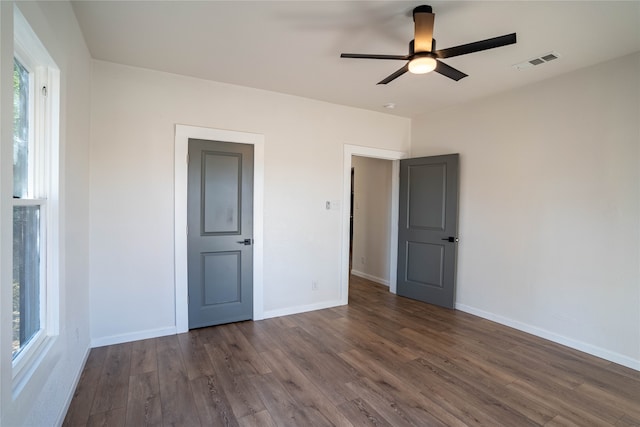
pixel 28 363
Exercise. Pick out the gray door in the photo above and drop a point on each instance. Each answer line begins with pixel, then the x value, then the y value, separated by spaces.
pixel 427 232
pixel 220 232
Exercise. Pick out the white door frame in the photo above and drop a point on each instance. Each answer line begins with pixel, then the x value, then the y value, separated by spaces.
pixel 183 133
pixel 377 153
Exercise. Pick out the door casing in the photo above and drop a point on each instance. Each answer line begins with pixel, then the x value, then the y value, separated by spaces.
pixel 182 135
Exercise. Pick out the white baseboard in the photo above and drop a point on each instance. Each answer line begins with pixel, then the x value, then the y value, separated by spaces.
pixel 133 336
pixel 301 309
pixel 72 391
pixel 552 336
pixel 370 277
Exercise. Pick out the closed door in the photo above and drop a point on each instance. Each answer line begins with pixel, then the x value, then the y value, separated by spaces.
pixel 428 225
pixel 220 232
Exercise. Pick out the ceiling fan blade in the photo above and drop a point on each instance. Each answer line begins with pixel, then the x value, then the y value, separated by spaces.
pixel 366 56
pixel 449 71
pixel 477 46
pixel 395 75
pixel 423 20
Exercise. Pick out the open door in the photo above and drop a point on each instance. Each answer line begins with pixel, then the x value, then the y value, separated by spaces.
pixel 427 229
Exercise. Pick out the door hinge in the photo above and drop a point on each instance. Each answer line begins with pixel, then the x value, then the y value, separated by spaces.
pixel 187 158
pixel 186 229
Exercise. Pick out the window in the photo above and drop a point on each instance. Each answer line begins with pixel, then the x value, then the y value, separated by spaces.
pixel 35 200
pixel 27 209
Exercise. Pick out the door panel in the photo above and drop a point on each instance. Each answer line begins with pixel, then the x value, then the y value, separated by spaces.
pixel 426 196
pixel 221 277
pixel 221 192
pixel 425 263
pixel 220 232
pixel 428 219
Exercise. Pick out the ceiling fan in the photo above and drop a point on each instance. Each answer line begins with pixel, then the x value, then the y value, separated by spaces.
pixel 423 56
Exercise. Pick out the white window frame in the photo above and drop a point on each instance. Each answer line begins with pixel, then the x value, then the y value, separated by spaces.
pixel 45 116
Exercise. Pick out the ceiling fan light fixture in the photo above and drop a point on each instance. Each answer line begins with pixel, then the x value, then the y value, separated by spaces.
pixel 422 64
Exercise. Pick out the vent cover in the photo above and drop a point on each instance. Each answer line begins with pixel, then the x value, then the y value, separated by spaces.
pixel 542 59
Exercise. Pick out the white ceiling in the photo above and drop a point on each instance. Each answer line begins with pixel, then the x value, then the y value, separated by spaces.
pixel 293 47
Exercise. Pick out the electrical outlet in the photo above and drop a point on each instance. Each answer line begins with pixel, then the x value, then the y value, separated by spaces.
pixel 314 285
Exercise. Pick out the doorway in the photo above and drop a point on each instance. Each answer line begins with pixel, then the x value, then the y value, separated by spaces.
pixel 370 239
pixel 377 153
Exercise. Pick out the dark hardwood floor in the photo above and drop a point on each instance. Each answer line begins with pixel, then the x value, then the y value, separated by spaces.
pixel 382 360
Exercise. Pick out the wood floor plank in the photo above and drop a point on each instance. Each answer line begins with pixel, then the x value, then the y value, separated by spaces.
pixel 371 341
pixel 178 407
pixel 259 419
pixel 627 421
pixel 489 378
pixel 362 414
pixel 282 407
pixel 561 421
pixel 324 368
pixel 570 398
pixel 212 403
pixel 242 350
pixel 396 413
pixel 520 365
pixel 143 357
pixel 237 384
pixel 381 360
pixel 623 370
pixel 110 418
pixel 442 382
pixel 80 407
pixel 427 385
pixel 143 404
pixel 112 391
pixel 417 405
pixel 591 371
pixel 257 335
pixel 610 400
pixel 195 356
pixel 324 330
pixel 302 389
pixel 390 384
pixel 559 403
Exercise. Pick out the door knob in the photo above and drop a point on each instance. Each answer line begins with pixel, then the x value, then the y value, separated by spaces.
pixel 245 242
pixel 451 239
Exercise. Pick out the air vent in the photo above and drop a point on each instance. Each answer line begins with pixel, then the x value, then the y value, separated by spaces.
pixel 533 62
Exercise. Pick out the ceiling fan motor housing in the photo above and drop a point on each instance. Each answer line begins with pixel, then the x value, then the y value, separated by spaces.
pixel 423 56
pixel 421 9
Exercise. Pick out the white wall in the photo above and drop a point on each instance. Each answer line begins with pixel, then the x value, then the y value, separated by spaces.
pixel 371 218
pixel 134 112
pixel 549 206
pixel 44 399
